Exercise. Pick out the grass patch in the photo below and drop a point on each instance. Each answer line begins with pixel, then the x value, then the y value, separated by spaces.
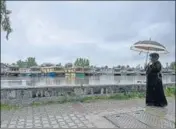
pixel 118 96
pixel 170 91
pixel 8 107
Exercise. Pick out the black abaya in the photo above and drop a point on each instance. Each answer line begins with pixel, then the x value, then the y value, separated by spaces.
pixel 154 91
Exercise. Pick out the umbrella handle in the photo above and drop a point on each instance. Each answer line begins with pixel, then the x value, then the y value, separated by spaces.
pixel 146 58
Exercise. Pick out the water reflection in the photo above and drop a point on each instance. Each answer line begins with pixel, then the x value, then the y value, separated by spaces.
pixel 43 81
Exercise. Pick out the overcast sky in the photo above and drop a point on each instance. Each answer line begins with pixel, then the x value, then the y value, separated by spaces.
pixel 58 31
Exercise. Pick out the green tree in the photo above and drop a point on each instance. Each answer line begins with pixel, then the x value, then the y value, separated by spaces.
pixel 82 62
pixel 87 63
pixel 173 65
pixel 5 20
pixel 31 62
pixel 21 64
pixel 59 64
pixel 76 62
pixel 68 65
pixel 13 64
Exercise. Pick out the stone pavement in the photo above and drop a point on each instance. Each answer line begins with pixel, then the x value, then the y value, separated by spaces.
pixel 78 115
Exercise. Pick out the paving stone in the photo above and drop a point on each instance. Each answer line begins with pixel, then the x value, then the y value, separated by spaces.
pixel 45 122
pixel 44 118
pixel 55 126
pixel 29 120
pixel 38 124
pixel 60 120
pixel 13 122
pixel 37 121
pixel 90 125
pixel 71 124
pixel 53 122
pixel 20 126
pixel 82 118
pixel 46 125
pixel 21 120
pixel 29 124
pixel 66 118
pixel 77 121
pixel 74 127
pixel 4 126
pixel 58 117
pixel 72 114
pixel 80 125
pixel 62 123
pixel 85 122
pixel 64 126
pixel 5 122
pixel 74 118
pixel 11 126
pixel 38 127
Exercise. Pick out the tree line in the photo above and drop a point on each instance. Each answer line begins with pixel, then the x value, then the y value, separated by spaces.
pixel 79 62
pixel 31 61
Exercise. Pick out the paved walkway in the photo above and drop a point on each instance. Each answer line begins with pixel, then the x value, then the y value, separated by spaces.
pixel 78 115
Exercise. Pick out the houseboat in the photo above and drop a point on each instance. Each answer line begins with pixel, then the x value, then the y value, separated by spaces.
pixel 48 71
pixel 130 71
pixel 59 71
pixel 35 71
pixel 75 72
pixel 13 70
pixel 4 69
pixel 79 72
pixel 88 71
pixel 166 71
pixel 141 72
pixel 117 71
pixel 97 72
pixel 24 71
pixel 69 72
pixel 107 71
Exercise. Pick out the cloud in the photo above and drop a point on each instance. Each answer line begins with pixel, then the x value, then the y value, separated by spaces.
pixel 55 32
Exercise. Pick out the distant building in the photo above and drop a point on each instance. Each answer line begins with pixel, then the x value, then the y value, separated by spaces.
pixel 4 68
pixel 13 70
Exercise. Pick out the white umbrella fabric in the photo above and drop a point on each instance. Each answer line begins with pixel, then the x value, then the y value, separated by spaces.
pixel 149 46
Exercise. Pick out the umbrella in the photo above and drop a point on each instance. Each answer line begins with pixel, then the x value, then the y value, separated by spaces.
pixel 149 46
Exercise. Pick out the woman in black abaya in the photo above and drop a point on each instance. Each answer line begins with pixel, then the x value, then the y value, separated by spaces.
pixel 154 91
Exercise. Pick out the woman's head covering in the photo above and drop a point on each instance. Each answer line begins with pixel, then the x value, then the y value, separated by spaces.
pixel 154 56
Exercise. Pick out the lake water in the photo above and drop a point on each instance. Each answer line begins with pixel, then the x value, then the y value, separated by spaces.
pixel 44 81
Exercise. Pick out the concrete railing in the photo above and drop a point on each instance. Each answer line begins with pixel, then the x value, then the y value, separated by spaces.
pixel 28 95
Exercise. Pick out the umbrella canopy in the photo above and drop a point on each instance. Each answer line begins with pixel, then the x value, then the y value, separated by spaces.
pixel 149 46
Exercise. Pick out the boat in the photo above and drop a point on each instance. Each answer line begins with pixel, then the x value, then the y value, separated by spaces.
pixel 79 72
pixel 24 71
pixel 75 72
pixel 97 72
pixel 59 71
pixel 130 71
pixel 13 70
pixel 69 72
pixel 117 71
pixel 141 72
pixel 4 69
pixel 166 71
pixel 88 71
pixel 48 71
pixel 35 71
